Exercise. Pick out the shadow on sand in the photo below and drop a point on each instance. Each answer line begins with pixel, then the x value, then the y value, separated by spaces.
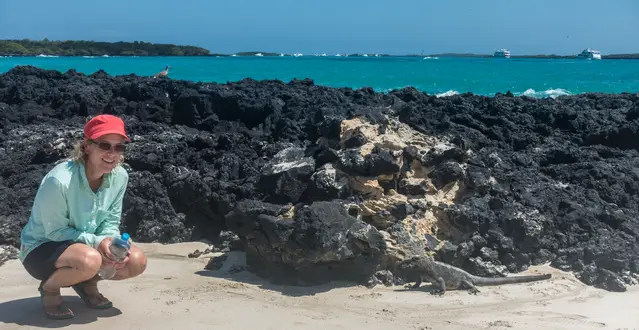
pixel 429 288
pixel 287 290
pixel 29 312
pixel 236 259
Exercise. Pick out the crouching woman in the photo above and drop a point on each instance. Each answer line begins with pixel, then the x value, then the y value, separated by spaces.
pixel 75 214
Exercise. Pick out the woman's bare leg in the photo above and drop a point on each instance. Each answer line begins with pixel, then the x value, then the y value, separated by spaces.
pixel 134 267
pixel 77 263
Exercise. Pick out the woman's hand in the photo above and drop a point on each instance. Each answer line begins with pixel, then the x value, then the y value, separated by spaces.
pixel 122 264
pixel 107 257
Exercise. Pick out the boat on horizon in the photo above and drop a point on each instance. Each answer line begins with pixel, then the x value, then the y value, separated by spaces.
pixel 502 53
pixel 590 54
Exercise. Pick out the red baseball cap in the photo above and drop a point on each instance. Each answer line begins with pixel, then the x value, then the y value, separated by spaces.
pixel 104 124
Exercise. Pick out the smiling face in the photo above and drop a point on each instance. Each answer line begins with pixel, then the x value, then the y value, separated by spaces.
pixel 104 153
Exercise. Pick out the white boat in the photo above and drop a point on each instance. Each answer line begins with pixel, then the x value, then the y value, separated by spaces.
pixel 502 53
pixel 259 54
pixel 590 54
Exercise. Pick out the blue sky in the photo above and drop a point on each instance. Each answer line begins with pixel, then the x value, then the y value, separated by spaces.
pixel 345 26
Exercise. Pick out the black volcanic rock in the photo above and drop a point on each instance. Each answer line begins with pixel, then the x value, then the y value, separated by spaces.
pixel 377 162
pixel 285 178
pixel 539 180
pixel 148 214
pixel 445 173
pixel 327 183
pixel 322 242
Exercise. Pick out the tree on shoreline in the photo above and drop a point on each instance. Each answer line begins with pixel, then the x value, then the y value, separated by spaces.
pixel 96 48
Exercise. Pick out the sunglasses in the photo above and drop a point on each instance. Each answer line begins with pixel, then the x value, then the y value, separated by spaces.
pixel 106 146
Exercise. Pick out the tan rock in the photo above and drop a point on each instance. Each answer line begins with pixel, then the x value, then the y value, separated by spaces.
pixel 366 149
pixel 385 177
pixel 417 170
pixel 378 210
pixel 367 186
pixel 357 125
pixel 391 141
pixel 289 214
pixel 395 252
pixel 422 224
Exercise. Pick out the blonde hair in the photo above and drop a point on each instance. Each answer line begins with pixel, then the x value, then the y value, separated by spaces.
pixel 78 154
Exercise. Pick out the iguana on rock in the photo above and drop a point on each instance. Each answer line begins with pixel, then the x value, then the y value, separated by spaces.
pixel 446 276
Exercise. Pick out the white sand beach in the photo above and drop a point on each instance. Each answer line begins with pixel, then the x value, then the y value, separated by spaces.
pixel 177 293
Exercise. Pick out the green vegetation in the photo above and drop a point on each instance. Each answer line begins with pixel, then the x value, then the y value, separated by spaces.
pixel 28 47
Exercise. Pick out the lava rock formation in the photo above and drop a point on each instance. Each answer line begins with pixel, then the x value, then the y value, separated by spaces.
pixel 327 183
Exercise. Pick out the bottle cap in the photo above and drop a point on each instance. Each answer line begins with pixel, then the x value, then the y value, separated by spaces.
pixel 125 237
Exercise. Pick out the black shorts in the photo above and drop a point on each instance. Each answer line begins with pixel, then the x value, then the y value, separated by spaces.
pixel 40 262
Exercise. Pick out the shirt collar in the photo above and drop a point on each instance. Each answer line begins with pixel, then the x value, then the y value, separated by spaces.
pixel 106 181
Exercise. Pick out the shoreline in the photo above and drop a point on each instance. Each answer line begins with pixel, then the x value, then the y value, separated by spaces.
pixel 252 55
pixel 550 93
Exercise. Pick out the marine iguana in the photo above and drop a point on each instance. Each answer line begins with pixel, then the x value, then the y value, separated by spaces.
pixel 445 276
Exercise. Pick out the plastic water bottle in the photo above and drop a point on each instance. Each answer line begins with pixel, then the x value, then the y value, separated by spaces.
pixel 119 248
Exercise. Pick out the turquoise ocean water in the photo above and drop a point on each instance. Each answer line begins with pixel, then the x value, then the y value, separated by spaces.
pixel 443 76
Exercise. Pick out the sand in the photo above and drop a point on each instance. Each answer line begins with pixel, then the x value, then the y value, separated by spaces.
pixel 176 292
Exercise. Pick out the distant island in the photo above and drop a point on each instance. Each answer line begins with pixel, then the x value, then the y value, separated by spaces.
pixel 540 56
pixel 27 47
pixel 271 54
pixel 462 55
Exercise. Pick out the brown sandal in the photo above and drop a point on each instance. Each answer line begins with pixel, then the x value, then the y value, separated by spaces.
pixel 56 312
pixel 80 289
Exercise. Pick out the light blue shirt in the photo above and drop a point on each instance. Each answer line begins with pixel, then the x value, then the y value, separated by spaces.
pixel 65 208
